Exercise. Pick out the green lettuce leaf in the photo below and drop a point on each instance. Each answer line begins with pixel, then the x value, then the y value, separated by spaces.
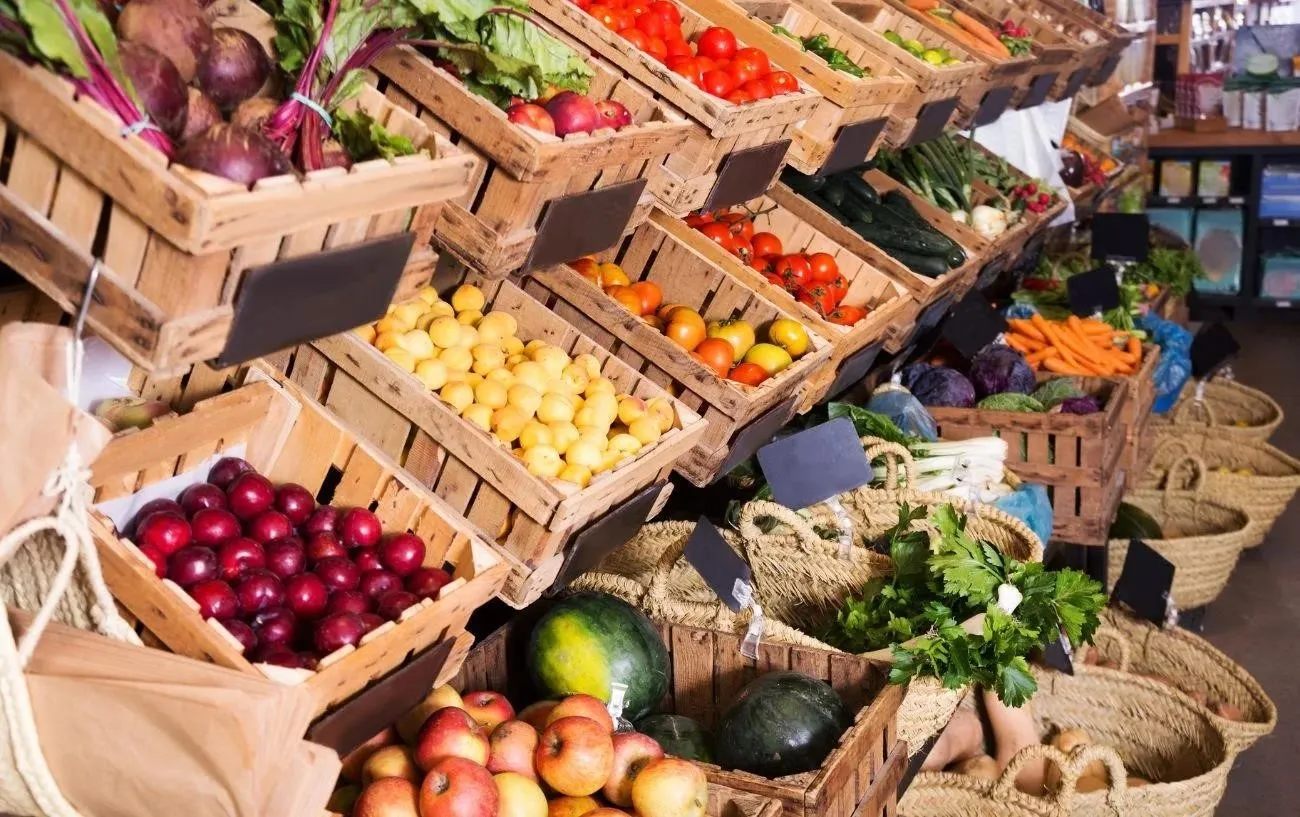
pixel 364 138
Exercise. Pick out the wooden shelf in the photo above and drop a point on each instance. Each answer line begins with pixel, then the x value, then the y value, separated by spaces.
pixel 1231 138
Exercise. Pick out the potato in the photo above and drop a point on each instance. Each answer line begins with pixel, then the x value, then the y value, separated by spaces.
pixel 1091 782
pixel 981 766
pixel 1066 740
pixel 1226 710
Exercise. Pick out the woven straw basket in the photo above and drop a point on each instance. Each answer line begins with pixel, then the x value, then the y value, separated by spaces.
pixel 1264 493
pixel 1139 727
pixel 1225 407
pixel 1195 665
pixel 1204 535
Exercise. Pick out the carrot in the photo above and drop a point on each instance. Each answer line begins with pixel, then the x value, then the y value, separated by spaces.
pixel 978 29
pixel 1025 327
pixel 1042 355
pixel 1074 323
pixel 923 5
pixel 1135 348
pixel 1017 342
pixel 961 35
pixel 1059 366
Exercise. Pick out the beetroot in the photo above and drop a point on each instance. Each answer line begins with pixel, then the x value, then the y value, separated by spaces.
pixel 253 113
pixel 177 29
pixel 234 153
pixel 202 113
pixel 159 85
pixel 333 155
pixel 234 68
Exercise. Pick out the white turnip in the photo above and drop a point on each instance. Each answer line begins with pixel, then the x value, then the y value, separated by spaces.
pixel 234 68
pixel 159 85
pixel 177 29
pixel 234 153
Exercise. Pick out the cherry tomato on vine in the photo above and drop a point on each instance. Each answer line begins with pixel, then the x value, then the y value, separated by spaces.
pixel 766 244
pixel 782 82
pixel 794 271
pixel 818 298
pixel 698 220
pixel 824 268
pixel 762 264
pixel 718 83
pixel 773 278
pixel 716 42
pixel 742 249
pixel 740 223
pixel 719 234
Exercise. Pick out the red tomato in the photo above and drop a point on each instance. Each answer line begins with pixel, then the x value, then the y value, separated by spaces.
pixel 626 20
pixel 847 315
pixel 651 24
pixel 637 7
pixel 758 56
pixel 582 4
pixel 716 42
pixel 718 83
pixel 668 11
pixel 758 88
pixel 686 67
pixel 838 287
pixel 697 220
pixel 606 14
pixel 706 64
pixel 740 223
pixel 751 374
pixel 677 47
pixel 818 298
pixel 794 271
pixel 719 234
pixel 773 278
pixel 657 49
pixel 739 97
pixel 766 244
pixel 636 37
pixel 782 82
pixel 824 268
pixel 763 265
pixel 745 66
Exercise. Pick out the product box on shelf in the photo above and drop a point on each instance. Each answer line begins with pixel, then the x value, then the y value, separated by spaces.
pixel 287 437
pixel 545 528
pixel 538 199
pixel 860 776
pixel 192 266
pixel 739 416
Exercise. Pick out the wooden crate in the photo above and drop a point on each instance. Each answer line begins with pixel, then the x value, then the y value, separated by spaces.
pixel 23 302
pixel 524 174
pixel 1068 12
pixel 860 777
pixel 891 306
pixel 533 521
pixel 290 439
pixel 846 100
pixel 1137 417
pixel 688 178
pixel 1077 457
pixel 176 244
pixel 739 417
pixel 1055 53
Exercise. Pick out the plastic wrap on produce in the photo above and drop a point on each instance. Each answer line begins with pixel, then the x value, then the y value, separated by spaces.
pixel 1031 505
pixel 1027 140
pixel 1175 364
pixel 906 412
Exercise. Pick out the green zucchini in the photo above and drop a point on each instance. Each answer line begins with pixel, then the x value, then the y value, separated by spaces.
pixel 835 191
pixel 802 183
pixel 926 265
pixel 956 256
pixel 897 202
pixel 831 209
pixel 859 187
pixel 855 210
pixel 891 237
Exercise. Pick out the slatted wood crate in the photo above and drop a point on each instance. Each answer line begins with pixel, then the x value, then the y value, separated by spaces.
pixel 1079 16
pixel 177 245
pixel 739 417
pixel 533 521
pixel 1078 457
pixel 846 100
pixel 288 438
pixel 687 180
pixel 891 308
pixel 1137 418
pixel 24 302
pixel 861 775
pixel 538 197
pixel 1054 52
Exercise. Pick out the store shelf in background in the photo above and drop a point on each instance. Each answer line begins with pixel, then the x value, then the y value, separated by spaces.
pixel 1196 201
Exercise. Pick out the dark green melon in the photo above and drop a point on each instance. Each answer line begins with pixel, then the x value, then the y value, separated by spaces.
pixel 678 735
pixel 589 641
pixel 1131 522
pixel 781 723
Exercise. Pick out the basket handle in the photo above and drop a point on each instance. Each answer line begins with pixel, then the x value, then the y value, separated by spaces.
pixel 1124 649
pixel 1195 484
pixel 894 455
pixel 752 511
pixel 1190 411
pixel 1071 766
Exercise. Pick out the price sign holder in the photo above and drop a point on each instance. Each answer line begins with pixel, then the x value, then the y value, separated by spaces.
pixel 606 534
pixel 973 325
pixel 1212 347
pixel 853 145
pixel 763 429
pixel 717 563
pixel 1074 83
pixel 1105 70
pixel 1058 655
pixel 584 223
pixel 816 464
pixel 931 120
pixel 1145 582
pixel 993 105
pixel 1039 88
pixel 1093 291
pixel 1121 237
pixel 745 174
pixel 855 368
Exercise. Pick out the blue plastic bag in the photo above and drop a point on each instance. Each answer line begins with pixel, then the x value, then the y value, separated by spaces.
pixel 904 410
pixel 1020 312
pixel 1175 364
pixel 1029 504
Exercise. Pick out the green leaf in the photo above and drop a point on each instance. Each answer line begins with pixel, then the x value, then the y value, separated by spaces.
pixel 518 58
pixel 52 37
pixel 363 138
pixel 870 423
pixel 1015 684
pixel 968 568
pixel 298 25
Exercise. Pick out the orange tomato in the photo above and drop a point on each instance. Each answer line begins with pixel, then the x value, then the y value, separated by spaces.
pixel 612 274
pixel 685 328
pixel 651 296
pixel 626 296
pixel 587 268
pixel 751 374
pixel 717 354
pixel 654 322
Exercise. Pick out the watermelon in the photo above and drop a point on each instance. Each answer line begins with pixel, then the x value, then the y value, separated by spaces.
pixel 678 735
pixel 781 723
pixel 589 641
pixel 1131 522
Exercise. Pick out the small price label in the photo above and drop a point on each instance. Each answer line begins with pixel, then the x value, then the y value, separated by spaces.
pixel 1059 655
pixel 1212 347
pixel 973 325
pixel 1145 583
pixel 816 464
pixel 718 564
pixel 1280 222
pixel 1173 200
pixel 1283 304
pixel 1121 237
pixel 1236 200
pixel 1093 291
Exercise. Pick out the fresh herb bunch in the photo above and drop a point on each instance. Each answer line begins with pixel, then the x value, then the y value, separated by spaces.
pixel 942 581
pixel 821 46
pixel 1174 268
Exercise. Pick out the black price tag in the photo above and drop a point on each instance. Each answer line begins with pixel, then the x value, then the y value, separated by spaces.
pixel 993 105
pixel 1074 83
pixel 855 368
pixel 746 174
pixel 1058 655
pixel 583 223
pixel 760 431
pixel 990 271
pixel 1093 291
pixel 933 313
pixel 931 120
pixel 1212 347
pixel 973 325
pixel 716 562
pixel 1144 583
pixel 816 464
pixel 853 145
pixel 605 535
pixel 1121 237
pixel 1039 88
pixel 1105 70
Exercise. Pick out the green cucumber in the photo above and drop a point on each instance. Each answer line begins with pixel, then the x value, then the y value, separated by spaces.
pixel 855 210
pixel 831 209
pixel 859 187
pixel 891 237
pixel 926 265
pixel 802 183
pixel 835 191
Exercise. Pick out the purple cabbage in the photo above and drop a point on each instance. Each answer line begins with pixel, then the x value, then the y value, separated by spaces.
pixel 912 372
pixel 1080 405
pixel 941 386
pixel 1001 369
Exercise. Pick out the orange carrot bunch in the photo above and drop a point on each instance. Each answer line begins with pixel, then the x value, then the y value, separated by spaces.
pixel 1074 346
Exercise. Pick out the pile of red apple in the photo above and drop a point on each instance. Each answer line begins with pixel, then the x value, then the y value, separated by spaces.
pixel 564 112
pixel 475 757
pixel 291 581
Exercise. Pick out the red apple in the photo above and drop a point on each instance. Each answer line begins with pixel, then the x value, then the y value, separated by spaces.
pixel 152 507
pixel 390 761
pixel 191 565
pixel 348 601
pixel 575 756
pixel 286 557
pixel 536 714
pixel 388 797
pixel 408 726
pixel 359 528
pixel 670 787
pixel 531 116
pixel 370 621
pixel 242 633
pixel 338 573
pixel 402 553
pixel 268 526
pixel 427 582
pixel 157 558
pixel 613 114
pixel 366 559
pixel 202 495
pixel 520 796
pixel 249 495
pixel 336 632
pixel 582 706
pixel 354 760
pixel 572 113
pixel 295 502
pixel 393 604
pixel 510 749
pixel 276 626
pixel 226 470
pixel 238 556
pixel 490 709
pixel 307 596
pixel 633 751
pixel 165 531
pixel 324 545
pixel 282 656
pixel 213 526
pixel 259 590
pixel 216 599
pixel 322 520
pixel 378 583
pixel 456 787
pixel 450 732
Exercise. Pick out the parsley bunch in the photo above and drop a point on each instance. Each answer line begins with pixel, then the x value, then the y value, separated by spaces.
pixel 938 584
